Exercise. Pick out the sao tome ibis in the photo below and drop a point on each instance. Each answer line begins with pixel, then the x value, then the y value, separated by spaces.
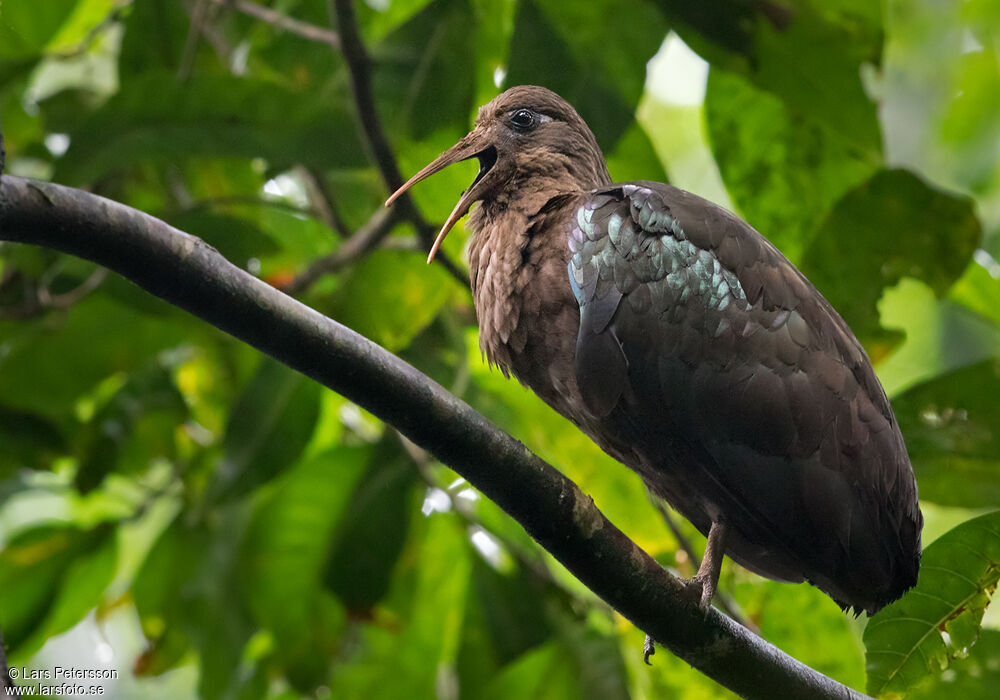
pixel 691 350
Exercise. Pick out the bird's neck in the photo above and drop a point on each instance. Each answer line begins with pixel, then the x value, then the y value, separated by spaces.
pixel 528 316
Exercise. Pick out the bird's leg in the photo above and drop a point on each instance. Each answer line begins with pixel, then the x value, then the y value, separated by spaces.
pixel 711 564
pixel 705 581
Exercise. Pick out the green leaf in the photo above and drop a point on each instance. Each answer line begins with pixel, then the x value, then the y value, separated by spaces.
pixel 634 157
pixel 808 55
pixel 39 373
pixel 950 428
pixel 941 336
pixel 505 617
pixel 891 226
pixel 420 84
pixel 564 47
pixel 939 619
pixel 814 66
pixel 390 296
pixel 268 429
pixel 150 390
pixel 546 673
pixel 283 559
pixel 26 27
pixel 50 576
pixel 783 170
pixel 158 118
pixel 372 531
pixel 418 631
pixel 972 677
pixel 28 440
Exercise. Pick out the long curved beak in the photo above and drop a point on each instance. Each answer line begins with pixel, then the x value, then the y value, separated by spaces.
pixel 472 145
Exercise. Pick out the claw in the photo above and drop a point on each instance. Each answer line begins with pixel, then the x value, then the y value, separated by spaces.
pixel 648 649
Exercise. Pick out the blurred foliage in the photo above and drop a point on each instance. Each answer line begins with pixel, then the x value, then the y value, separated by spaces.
pixel 263 538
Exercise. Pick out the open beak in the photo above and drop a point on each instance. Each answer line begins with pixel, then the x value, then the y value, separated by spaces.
pixel 471 146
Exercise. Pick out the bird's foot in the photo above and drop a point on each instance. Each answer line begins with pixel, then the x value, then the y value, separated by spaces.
pixel 700 590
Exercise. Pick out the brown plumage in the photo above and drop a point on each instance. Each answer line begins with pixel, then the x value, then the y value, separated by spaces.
pixel 690 349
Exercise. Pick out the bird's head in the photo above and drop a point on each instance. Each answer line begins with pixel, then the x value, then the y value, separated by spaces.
pixel 528 139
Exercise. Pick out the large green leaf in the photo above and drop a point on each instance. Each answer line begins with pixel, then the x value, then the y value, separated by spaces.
pixel 940 618
pixel 159 118
pixel 237 239
pixel 283 559
pixel 268 429
pixel 505 617
pixel 950 425
pixel 793 617
pixel 972 677
pixel 372 530
pixel 892 226
pixel 783 170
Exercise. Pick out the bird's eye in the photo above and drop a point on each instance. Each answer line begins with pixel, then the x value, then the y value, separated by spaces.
pixel 523 119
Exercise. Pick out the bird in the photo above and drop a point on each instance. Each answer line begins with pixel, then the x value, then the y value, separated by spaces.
pixel 690 349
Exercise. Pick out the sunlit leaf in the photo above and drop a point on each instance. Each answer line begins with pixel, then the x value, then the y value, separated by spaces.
pixel 26 26
pixel 939 619
pixel 783 170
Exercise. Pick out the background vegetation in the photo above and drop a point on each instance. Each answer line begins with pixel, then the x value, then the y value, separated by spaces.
pixel 211 524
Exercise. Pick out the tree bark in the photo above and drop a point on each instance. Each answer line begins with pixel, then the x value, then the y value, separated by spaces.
pixel 187 272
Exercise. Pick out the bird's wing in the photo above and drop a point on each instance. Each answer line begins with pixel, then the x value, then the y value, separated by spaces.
pixel 691 317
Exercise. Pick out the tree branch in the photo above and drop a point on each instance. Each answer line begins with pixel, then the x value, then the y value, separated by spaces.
pixel 187 272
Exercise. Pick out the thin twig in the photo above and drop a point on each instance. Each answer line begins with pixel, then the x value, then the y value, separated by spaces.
pixel 284 22
pixel 365 240
pixel 198 16
pixel 67 299
pixel 359 66
pixel 321 198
